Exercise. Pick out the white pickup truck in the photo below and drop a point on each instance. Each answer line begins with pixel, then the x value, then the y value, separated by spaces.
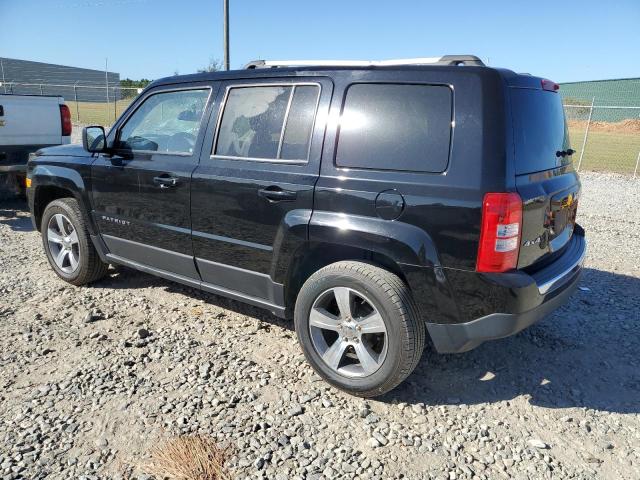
pixel 27 123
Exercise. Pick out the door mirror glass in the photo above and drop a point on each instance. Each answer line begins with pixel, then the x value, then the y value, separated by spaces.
pixel 94 139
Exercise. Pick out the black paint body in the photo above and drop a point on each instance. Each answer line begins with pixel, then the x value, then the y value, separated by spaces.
pixel 215 229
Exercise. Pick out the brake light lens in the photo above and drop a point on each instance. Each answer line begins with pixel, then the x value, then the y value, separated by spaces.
pixel 500 232
pixel 549 85
pixel 65 120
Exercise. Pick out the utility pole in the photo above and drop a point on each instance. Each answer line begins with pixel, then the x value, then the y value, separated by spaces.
pixel 226 33
pixel 4 85
pixel 106 77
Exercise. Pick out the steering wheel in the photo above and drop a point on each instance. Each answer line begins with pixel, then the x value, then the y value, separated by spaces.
pixel 181 142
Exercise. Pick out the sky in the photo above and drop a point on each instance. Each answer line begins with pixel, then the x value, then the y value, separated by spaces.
pixel 561 40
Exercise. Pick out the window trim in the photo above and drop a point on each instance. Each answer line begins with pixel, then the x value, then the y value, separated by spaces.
pixel 410 83
pixel 150 94
pixel 294 84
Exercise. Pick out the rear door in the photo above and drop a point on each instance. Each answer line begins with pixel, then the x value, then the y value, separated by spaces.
pixel 141 193
pixel 252 193
pixel 545 177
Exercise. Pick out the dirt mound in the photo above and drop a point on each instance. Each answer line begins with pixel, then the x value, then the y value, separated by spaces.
pixel 631 125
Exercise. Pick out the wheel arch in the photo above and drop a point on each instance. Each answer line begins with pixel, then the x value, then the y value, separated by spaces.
pixel 313 256
pixel 43 196
pixel 50 183
pixel 401 248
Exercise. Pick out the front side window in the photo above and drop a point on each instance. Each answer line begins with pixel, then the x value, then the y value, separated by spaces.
pixel 395 127
pixel 165 122
pixel 268 122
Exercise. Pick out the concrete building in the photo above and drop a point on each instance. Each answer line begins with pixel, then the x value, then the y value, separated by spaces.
pixel 37 78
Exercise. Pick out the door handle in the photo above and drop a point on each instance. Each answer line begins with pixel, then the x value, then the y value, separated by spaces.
pixel 165 181
pixel 277 194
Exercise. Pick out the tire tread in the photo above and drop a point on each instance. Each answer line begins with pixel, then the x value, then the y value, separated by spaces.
pixel 95 267
pixel 399 295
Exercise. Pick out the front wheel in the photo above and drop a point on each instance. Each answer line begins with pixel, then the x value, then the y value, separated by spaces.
pixel 67 243
pixel 359 327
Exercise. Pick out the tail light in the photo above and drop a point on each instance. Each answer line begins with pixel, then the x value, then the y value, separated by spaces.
pixel 500 232
pixel 549 85
pixel 65 120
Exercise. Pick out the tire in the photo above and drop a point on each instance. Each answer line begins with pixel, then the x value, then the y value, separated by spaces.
pixel 87 267
pixel 376 300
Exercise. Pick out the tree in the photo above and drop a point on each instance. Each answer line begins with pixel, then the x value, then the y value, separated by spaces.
pixel 128 83
pixel 214 66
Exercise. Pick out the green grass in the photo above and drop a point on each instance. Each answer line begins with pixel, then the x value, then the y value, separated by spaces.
pixel 606 151
pixel 90 113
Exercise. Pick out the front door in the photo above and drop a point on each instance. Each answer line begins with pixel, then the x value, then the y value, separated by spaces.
pixel 141 192
pixel 252 193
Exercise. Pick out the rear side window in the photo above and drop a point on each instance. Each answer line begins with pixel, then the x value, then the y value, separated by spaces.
pixel 297 133
pixel 395 127
pixel 268 122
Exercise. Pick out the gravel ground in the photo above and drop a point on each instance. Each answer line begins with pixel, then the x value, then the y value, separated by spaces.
pixel 92 378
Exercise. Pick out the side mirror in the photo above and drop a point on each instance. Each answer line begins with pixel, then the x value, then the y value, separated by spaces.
pixel 94 139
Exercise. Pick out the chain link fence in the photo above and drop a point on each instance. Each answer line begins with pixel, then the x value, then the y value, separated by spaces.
pixel 606 137
pixel 604 124
pixel 89 104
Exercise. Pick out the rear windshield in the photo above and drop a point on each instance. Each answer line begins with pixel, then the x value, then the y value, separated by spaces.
pixel 540 130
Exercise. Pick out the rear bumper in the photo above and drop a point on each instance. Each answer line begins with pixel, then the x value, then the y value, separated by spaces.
pixel 13 168
pixel 530 298
pixel 13 158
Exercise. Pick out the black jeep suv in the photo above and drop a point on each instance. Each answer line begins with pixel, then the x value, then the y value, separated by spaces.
pixel 373 202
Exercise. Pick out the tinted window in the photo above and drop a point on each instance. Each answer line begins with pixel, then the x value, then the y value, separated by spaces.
pixel 395 127
pixel 253 122
pixel 165 122
pixel 539 130
pixel 297 134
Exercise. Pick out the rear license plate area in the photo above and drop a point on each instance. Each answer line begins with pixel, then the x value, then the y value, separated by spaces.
pixel 563 213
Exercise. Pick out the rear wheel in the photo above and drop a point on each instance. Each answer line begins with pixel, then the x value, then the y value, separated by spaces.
pixel 359 327
pixel 67 243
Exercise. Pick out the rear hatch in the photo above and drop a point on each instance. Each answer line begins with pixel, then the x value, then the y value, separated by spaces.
pixel 545 178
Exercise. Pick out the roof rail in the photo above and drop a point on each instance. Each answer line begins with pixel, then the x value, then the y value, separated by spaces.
pixel 444 60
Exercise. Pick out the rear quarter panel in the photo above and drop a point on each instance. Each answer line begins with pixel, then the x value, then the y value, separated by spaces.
pixel 445 206
pixel 437 233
